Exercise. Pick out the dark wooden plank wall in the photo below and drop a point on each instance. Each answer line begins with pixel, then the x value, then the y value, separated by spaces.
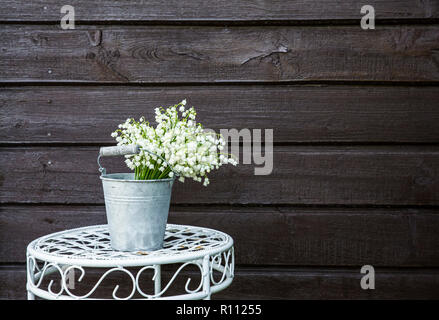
pixel 355 117
pixel 298 114
pixel 209 54
pixel 217 11
pixel 302 175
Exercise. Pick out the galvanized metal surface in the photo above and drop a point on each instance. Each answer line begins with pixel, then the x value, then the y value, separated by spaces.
pixel 137 211
pixel 210 251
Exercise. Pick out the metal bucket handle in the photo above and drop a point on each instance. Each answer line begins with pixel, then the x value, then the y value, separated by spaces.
pixel 125 150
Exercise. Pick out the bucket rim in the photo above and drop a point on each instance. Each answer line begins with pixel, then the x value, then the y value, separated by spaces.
pixel 107 177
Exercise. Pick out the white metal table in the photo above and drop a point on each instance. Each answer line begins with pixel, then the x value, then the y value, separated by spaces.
pixel 62 253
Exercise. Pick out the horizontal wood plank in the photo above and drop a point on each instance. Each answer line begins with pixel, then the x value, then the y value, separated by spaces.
pixel 301 175
pixel 220 10
pixel 86 114
pixel 264 236
pixel 170 54
pixel 332 284
pixel 269 283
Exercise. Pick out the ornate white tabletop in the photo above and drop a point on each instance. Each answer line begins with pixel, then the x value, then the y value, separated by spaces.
pixel 81 249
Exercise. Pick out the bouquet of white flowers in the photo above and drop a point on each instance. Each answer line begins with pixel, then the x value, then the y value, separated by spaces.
pixel 187 148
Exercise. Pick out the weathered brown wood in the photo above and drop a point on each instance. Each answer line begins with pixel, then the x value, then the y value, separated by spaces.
pixel 222 10
pixel 264 236
pixel 311 245
pixel 169 54
pixel 296 113
pixel 301 175
pixel 270 283
pixel 333 284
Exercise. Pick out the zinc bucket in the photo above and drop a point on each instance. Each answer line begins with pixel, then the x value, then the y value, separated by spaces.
pixel 137 210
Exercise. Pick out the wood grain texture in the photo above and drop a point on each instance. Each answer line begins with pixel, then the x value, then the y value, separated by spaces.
pixel 332 284
pixel 169 54
pixel 220 10
pixel 264 236
pixel 301 175
pixel 331 208
pixel 314 114
pixel 271 283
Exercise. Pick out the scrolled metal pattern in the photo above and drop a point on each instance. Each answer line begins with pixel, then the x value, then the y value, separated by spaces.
pixel 210 251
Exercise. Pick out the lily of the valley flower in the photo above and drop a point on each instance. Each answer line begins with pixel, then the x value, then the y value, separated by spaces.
pixel 177 138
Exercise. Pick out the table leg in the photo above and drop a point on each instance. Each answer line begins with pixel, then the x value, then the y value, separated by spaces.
pixel 206 277
pixel 30 277
pixel 157 279
pixel 30 295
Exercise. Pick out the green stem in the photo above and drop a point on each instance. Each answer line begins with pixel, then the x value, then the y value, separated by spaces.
pixel 165 173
